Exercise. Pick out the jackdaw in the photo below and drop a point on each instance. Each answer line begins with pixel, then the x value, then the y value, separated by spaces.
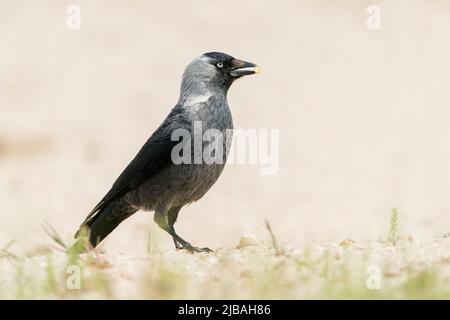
pixel 153 181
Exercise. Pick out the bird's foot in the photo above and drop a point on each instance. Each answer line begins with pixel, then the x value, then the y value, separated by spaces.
pixel 190 248
pixel 204 249
pixel 181 244
pixel 193 249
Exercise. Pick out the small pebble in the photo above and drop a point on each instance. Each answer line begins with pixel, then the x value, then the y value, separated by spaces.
pixel 247 241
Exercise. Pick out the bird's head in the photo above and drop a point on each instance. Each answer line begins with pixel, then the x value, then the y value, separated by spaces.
pixel 215 71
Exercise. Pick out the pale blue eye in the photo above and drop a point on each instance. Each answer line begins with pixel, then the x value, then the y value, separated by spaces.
pixel 219 65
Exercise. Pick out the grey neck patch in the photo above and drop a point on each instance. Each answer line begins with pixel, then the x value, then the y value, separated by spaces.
pixel 197 85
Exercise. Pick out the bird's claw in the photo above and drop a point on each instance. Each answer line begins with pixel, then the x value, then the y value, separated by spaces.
pixel 199 250
pixel 191 249
pixel 205 249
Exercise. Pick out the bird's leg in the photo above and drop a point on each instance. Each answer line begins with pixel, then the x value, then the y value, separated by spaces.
pixel 172 216
pixel 165 219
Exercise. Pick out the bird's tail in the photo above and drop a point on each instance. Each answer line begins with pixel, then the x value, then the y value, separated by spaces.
pixel 98 226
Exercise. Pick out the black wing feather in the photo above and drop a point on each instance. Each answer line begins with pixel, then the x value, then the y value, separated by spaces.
pixel 153 156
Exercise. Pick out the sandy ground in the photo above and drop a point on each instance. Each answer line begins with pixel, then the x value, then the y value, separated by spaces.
pixel 410 268
pixel 363 116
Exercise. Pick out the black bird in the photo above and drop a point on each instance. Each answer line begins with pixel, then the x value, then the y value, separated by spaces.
pixel 155 180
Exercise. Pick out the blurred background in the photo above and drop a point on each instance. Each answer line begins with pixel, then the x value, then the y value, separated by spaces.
pixel 363 115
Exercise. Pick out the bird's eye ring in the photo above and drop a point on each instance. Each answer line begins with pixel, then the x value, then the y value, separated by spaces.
pixel 219 65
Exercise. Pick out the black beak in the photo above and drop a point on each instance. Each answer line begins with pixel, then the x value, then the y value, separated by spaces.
pixel 242 68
